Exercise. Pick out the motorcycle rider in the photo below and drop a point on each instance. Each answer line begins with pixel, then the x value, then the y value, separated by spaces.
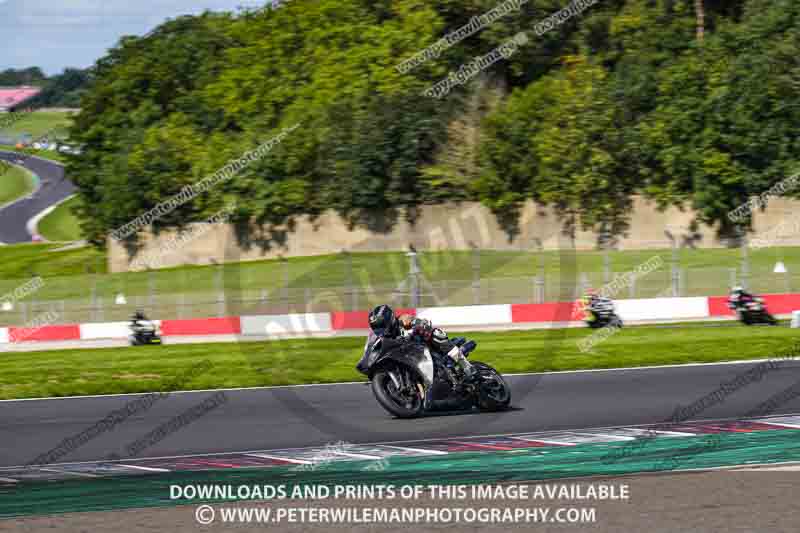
pixel 384 323
pixel 139 322
pixel 739 297
pixel 588 301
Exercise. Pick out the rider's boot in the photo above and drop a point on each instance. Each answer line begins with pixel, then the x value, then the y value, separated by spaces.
pixel 467 371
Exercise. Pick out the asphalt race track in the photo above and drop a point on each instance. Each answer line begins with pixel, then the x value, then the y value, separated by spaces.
pixel 289 417
pixel 53 188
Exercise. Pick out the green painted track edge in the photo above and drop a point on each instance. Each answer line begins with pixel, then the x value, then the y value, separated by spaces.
pixel 661 454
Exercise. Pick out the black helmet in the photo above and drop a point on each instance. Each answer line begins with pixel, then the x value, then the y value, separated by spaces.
pixel 138 315
pixel 383 321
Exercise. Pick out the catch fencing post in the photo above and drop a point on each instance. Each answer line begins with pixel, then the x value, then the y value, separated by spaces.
pixel 350 286
pixel 675 269
pixel 220 284
pixel 285 289
pixel 539 290
pixel 584 285
pixel 681 281
pixel 745 260
pixel 182 295
pixel 413 276
pixel 732 276
pixel 476 274
pixel 541 278
pixel 151 288
pixel 93 304
pixel 264 302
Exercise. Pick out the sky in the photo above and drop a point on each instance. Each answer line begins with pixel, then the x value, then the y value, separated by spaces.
pixel 54 34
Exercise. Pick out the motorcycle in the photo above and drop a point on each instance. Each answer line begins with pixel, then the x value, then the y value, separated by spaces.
pixel 408 379
pixel 753 311
pixel 147 333
pixel 604 314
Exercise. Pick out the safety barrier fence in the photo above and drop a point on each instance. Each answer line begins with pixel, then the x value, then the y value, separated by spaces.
pixel 313 324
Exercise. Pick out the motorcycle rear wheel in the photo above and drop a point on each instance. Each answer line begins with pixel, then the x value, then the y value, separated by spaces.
pixel 494 394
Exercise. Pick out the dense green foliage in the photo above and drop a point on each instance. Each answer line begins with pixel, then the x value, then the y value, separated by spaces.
pixel 28 76
pixel 60 90
pixel 625 99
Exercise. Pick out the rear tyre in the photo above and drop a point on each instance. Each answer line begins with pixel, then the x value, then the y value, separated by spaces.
pixel 494 394
pixel 407 403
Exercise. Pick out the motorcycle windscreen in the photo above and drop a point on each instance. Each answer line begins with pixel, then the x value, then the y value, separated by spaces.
pixel 372 349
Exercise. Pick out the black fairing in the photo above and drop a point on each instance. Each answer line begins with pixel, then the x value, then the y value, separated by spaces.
pixel 405 352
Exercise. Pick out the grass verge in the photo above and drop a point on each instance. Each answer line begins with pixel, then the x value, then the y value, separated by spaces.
pixel 288 362
pixel 15 182
pixel 39 123
pixel 61 224
pixel 19 262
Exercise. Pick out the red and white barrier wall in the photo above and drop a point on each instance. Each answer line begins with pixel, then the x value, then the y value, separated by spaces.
pixel 311 324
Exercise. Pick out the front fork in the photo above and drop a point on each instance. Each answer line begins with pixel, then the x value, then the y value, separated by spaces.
pixel 401 384
pixel 427 396
pixel 396 381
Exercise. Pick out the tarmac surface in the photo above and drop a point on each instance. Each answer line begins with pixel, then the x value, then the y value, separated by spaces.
pixel 53 187
pixel 314 415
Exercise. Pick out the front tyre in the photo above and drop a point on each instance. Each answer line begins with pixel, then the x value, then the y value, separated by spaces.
pixel 405 401
pixel 494 394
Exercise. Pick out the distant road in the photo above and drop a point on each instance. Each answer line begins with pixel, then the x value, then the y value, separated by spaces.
pixel 53 188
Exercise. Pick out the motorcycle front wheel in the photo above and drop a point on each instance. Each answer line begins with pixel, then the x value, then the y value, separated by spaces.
pixel 404 401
